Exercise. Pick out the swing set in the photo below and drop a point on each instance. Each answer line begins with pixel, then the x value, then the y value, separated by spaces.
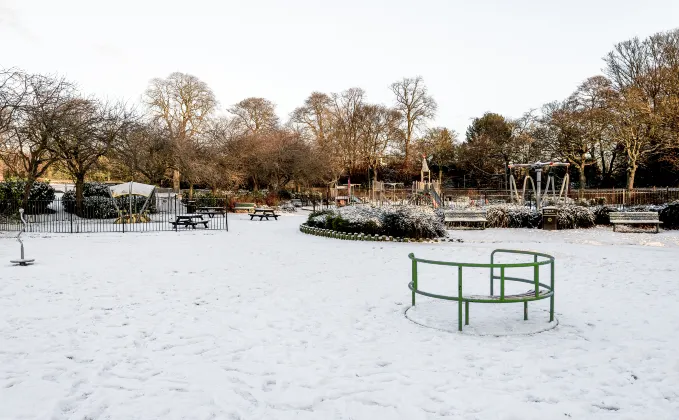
pixel 540 194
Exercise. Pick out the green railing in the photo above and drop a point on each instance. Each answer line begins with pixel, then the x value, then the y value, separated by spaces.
pixel 540 290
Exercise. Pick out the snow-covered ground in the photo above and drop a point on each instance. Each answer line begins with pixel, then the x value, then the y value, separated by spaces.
pixel 264 322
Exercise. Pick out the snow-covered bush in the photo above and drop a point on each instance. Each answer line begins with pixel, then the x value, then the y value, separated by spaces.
pixel 398 221
pixel 512 216
pixel 574 217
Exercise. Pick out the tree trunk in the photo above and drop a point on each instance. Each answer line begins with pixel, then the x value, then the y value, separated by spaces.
pixel 583 181
pixel 441 177
pixel 27 191
pixel 190 190
pixel 631 172
pixel 79 191
pixel 175 180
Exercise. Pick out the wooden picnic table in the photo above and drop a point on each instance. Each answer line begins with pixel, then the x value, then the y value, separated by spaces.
pixel 211 211
pixel 264 213
pixel 189 220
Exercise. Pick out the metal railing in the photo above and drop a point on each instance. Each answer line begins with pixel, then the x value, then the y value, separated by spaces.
pixel 542 290
pixel 105 214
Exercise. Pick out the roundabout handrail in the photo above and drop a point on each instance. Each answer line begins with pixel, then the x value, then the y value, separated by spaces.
pixel 541 290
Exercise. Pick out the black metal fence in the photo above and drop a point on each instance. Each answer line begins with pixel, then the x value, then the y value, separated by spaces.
pixel 105 214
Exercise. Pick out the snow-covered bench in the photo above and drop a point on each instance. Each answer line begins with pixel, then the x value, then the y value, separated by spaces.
pixel 468 216
pixel 635 218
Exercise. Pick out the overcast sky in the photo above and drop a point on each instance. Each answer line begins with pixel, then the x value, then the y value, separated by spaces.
pixel 505 56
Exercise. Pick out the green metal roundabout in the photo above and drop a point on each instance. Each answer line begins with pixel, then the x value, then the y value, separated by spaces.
pixel 499 275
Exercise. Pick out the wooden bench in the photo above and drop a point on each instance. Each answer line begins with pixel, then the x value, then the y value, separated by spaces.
pixel 244 207
pixel 472 216
pixel 264 213
pixel 635 218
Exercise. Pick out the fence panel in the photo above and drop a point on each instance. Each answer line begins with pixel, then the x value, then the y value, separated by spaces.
pixel 105 214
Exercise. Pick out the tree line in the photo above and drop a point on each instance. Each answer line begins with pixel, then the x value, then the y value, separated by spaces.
pixel 616 128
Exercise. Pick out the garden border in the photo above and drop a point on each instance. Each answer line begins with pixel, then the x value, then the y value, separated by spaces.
pixel 329 233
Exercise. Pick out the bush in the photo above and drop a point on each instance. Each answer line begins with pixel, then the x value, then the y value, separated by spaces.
pixel 40 196
pixel 512 216
pixel 574 217
pixel 669 215
pixel 402 221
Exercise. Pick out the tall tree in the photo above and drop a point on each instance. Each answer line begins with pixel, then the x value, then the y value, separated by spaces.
pixel 182 104
pixel 27 145
pixel 491 138
pixel 416 107
pixel 90 131
pixel 378 126
pixel 255 115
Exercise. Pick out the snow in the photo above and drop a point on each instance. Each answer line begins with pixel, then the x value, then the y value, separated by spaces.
pixel 265 322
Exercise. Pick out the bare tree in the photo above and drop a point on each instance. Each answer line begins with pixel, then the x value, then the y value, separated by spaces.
pixel 346 109
pixel 27 144
pixel 255 115
pixel 90 130
pixel 416 107
pixel 182 103
pixel 144 151
pixel 634 125
pixel 378 126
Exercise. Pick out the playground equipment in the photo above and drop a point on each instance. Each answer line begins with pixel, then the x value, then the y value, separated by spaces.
pixel 537 190
pixel 22 261
pixel 427 186
pixel 539 290
pixel 379 191
pixel 344 195
pixel 132 189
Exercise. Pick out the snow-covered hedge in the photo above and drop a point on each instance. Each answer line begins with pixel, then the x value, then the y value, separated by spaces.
pixel 398 221
pixel 514 216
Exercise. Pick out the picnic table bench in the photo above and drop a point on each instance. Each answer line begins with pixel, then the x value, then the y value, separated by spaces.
pixel 211 211
pixel 263 213
pixel 247 207
pixel 189 220
pixel 635 218
pixel 473 216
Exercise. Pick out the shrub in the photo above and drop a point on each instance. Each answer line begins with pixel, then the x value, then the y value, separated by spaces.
pixel 669 215
pixel 398 221
pixel 40 196
pixel 601 214
pixel 574 217
pixel 512 216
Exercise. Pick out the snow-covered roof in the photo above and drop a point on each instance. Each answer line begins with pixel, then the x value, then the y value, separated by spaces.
pixel 133 188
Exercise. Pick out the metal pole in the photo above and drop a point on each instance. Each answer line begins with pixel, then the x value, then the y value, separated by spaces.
pixel 538 173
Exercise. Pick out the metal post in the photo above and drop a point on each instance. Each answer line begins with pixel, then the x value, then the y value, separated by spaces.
pixel 551 299
pixel 492 257
pixel 466 313
pixel 459 296
pixel 525 311
pixel 414 274
pixel 538 173
pixel 502 283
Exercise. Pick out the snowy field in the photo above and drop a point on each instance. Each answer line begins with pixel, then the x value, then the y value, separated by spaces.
pixel 264 322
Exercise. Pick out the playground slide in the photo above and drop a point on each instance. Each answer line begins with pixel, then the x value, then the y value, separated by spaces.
pixel 436 199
